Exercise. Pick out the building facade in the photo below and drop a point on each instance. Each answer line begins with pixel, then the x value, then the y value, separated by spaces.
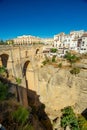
pixel 82 43
pixel 47 41
pixel 26 39
pixel 76 41
pixel 59 40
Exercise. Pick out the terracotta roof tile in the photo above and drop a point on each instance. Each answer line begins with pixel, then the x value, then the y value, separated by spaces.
pixel 84 35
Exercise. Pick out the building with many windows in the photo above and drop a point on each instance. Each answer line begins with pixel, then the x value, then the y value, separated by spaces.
pixel 47 41
pixel 26 39
pixel 59 40
pixel 82 43
pixel 76 41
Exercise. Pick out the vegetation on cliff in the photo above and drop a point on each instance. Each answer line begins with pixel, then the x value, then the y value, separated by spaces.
pixel 69 119
pixel 72 58
pixel 82 122
pixel 3 71
pixel 75 70
pixel 73 121
pixel 14 116
pixel 53 50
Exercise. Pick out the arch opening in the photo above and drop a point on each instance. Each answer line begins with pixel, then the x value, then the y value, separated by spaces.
pixel 28 74
pixel 25 68
pixel 37 50
pixel 4 59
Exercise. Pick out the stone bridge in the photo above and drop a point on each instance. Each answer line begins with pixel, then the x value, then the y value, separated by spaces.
pixel 20 62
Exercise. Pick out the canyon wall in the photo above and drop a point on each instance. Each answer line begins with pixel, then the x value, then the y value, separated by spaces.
pixel 58 88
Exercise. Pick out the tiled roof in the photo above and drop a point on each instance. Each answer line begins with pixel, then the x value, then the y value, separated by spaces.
pixel 84 35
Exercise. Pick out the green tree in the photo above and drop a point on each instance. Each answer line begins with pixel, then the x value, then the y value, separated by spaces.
pixel 54 58
pixel 3 91
pixel 71 57
pixel 10 42
pixel 69 119
pixel 3 42
pixel 53 50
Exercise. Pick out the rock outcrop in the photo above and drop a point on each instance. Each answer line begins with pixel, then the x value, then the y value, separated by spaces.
pixel 58 88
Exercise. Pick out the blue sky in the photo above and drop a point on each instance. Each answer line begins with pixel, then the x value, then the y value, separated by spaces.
pixel 43 18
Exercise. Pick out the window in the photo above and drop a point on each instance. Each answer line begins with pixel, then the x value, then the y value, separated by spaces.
pixel 83 37
pixel 83 43
pixel 81 48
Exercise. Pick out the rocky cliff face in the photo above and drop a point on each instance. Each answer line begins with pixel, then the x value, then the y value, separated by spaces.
pixel 58 88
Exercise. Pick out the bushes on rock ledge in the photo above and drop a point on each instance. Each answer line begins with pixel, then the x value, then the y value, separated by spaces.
pixel 60 65
pixel 53 50
pixel 69 119
pixel 54 58
pixel 72 58
pixel 75 71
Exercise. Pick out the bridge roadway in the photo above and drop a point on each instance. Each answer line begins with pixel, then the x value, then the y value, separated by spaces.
pixel 6 47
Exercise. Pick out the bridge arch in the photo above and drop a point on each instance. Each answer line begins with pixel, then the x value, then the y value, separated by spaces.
pixel 4 59
pixel 28 74
pixel 37 50
pixel 25 68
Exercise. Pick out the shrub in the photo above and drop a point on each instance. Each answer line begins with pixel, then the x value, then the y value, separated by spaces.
pixel 82 122
pixel 21 119
pixel 18 81
pixel 69 119
pixel 3 91
pixel 2 71
pixel 53 50
pixel 71 57
pixel 54 58
pixel 20 115
pixel 44 62
pixel 60 65
pixel 75 71
pixel 41 66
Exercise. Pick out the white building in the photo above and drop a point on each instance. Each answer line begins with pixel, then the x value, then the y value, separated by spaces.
pixel 47 41
pixel 26 39
pixel 82 43
pixel 58 40
pixel 69 41
pixel 77 33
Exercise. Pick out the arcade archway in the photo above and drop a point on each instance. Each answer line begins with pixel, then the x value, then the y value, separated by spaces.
pixel 4 59
pixel 28 74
